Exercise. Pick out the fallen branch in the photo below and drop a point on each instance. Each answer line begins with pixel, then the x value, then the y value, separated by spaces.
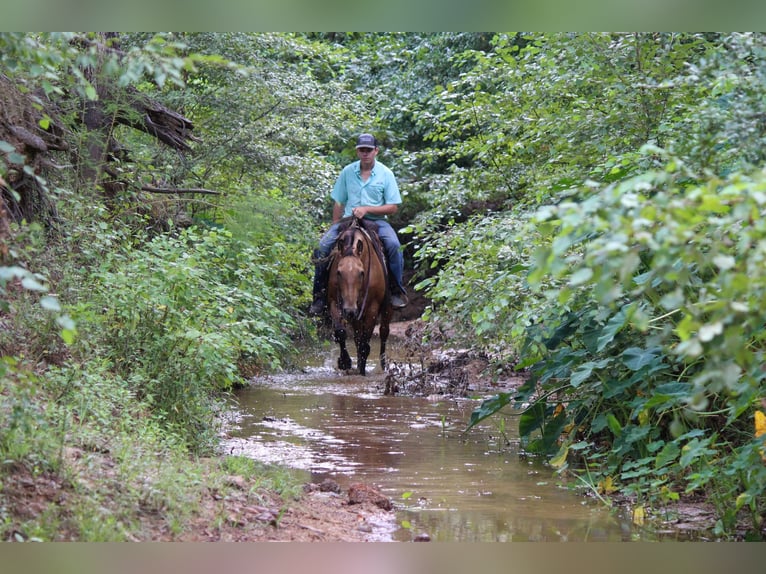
pixel 153 189
pixel 312 529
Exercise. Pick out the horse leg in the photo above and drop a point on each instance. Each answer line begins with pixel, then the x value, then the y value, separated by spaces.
pixel 364 336
pixel 362 340
pixel 344 361
pixel 385 322
pixel 384 330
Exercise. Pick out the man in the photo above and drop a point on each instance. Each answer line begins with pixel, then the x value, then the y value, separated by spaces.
pixel 364 189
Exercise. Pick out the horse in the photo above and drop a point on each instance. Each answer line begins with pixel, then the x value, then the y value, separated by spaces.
pixel 357 293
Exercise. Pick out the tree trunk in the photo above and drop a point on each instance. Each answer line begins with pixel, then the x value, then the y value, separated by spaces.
pixel 21 194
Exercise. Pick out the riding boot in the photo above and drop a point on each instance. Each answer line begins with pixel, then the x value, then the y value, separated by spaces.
pixel 318 306
pixel 396 289
pixel 321 273
pixel 395 269
pixel 399 299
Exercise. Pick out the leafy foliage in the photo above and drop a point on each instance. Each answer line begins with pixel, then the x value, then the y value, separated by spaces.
pixel 628 276
pixel 586 207
pixel 179 316
pixel 266 119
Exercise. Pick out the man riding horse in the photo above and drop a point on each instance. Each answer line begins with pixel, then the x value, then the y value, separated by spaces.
pixel 365 189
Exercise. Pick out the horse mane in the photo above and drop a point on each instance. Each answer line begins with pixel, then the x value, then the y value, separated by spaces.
pixel 346 242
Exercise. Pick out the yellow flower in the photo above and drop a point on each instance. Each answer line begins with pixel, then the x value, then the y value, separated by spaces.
pixel 760 429
pixel 606 486
pixel 639 514
pixel 760 424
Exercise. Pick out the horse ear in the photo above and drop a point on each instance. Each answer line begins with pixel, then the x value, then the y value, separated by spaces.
pixel 359 246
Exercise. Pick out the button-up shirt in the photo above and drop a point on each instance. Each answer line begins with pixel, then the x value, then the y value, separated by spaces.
pixel 379 189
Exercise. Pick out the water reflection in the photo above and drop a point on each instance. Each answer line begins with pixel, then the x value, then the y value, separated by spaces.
pixel 455 486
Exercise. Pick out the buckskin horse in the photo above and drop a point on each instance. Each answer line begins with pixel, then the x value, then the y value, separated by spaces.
pixel 357 293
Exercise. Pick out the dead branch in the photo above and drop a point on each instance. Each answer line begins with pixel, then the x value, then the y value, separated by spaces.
pixel 201 190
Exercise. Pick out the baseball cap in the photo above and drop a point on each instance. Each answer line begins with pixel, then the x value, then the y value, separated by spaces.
pixel 366 140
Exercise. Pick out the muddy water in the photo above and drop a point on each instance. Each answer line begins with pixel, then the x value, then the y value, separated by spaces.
pixel 452 485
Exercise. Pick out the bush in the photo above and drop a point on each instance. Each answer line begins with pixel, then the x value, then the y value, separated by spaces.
pixel 647 355
pixel 176 318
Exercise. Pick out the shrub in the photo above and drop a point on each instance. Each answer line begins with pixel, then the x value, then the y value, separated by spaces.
pixel 647 356
pixel 177 315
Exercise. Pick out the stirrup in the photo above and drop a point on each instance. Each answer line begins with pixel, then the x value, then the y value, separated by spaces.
pixel 399 300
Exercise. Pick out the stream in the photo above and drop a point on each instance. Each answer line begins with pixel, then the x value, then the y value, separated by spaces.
pixel 453 485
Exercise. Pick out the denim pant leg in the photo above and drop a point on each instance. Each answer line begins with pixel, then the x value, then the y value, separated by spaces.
pixel 322 267
pixel 393 251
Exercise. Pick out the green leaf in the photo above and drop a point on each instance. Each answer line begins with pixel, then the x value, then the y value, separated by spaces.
pixel 16 158
pixel 581 374
pixel 694 450
pixel 632 433
pixel 636 358
pixel 581 276
pixel 552 431
pixel 50 303
pixel 29 282
pixel 66 322
pixel 667 455
pixel 686 327
pixel 610 330
pixel 584 371
pixel 724 262
pixel 7 273
pixel 569 325
pixel 674 389
pixel 560 458
pixel 710 331
pixel 488 407
pixel 743 499
pixel 532 418
pixel 614 424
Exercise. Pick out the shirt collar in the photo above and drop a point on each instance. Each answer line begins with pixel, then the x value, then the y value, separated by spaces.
pixel 358 167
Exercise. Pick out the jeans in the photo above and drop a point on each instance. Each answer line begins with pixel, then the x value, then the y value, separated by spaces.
pixel 391 247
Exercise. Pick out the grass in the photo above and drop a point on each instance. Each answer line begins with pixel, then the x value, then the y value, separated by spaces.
pixel 83 460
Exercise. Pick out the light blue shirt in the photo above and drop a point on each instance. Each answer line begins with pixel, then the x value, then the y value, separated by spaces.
pixel 379 189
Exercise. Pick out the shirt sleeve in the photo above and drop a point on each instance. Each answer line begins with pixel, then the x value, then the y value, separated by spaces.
pixel 340 191
pixel 391 191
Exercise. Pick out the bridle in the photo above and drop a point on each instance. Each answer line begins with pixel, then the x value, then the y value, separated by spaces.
pixel 348 251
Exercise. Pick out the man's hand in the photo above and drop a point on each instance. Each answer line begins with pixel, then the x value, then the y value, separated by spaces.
pixel 360 211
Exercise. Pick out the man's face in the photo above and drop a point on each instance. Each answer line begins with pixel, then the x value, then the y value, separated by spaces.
pixel 366 155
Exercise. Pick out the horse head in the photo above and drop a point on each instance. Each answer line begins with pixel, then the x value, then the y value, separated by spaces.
pixel 351 273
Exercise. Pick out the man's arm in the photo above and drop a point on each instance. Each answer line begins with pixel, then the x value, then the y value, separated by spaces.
pixel 337 212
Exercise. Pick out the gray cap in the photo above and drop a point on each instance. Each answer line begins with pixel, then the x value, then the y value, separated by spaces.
pixel 366 140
